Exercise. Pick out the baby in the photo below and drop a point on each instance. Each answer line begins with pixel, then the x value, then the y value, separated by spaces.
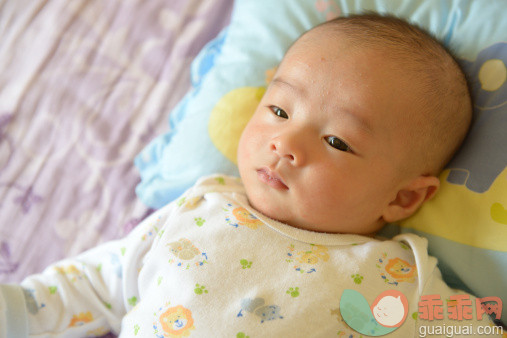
pixel 359 118
pixel 358 121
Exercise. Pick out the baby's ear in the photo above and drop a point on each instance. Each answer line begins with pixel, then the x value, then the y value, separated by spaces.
pixel 410 198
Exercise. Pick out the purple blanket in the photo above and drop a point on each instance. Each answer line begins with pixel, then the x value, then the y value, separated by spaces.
pixel 84 86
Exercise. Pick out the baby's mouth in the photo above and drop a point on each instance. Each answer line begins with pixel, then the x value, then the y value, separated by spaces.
pixel 271 178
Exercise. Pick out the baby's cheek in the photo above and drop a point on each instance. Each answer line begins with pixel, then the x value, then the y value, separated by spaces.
pixel 244 147
pixel 253 139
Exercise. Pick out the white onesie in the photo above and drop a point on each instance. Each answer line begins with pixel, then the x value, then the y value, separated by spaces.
pixel 208 265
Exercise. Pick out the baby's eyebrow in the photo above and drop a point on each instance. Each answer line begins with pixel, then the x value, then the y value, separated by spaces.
pixel 293 87
pixel 360 121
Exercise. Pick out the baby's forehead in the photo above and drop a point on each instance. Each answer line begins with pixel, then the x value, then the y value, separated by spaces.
pixel 331 51
pixel 328 44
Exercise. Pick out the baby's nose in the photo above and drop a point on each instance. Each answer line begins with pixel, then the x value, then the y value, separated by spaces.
pixel 289 147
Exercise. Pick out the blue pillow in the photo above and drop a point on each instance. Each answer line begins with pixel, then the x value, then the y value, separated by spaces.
pixel 466 223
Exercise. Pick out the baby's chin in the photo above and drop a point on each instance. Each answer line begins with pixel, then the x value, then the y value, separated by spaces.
pixel 284 216
pixel 316 226
pixel 290 214
pixel 268 210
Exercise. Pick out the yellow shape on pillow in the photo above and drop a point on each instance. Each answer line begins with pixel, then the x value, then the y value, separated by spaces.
pixel 499 213
pixel 465 216
pixel 492 75
pixel 230 116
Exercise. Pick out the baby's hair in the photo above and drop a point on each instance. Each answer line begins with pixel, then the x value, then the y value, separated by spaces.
pixel 445 90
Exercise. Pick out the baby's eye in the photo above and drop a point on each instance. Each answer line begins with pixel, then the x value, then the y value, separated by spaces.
pixel 335 142
pixel 279 112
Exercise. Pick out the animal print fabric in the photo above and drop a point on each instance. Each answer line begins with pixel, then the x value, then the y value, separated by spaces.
pixel 209 265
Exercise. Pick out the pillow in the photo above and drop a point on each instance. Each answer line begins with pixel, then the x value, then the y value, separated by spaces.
pixel 466 223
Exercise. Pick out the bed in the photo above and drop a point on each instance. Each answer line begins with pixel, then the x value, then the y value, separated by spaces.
pixel 84 86
pixel 98 99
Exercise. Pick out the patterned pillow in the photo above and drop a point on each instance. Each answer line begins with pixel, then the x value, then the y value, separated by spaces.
pixel 466 223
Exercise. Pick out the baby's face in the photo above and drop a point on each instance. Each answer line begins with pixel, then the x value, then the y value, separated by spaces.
pixel 324 147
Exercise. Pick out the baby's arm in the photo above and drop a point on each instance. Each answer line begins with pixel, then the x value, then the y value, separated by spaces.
pixel 84 296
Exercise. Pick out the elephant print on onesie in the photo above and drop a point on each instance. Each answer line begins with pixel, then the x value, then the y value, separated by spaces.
pixel 258 307
pixel 184 254
pixel 31 302
pixel 307 258
pixel 239 216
